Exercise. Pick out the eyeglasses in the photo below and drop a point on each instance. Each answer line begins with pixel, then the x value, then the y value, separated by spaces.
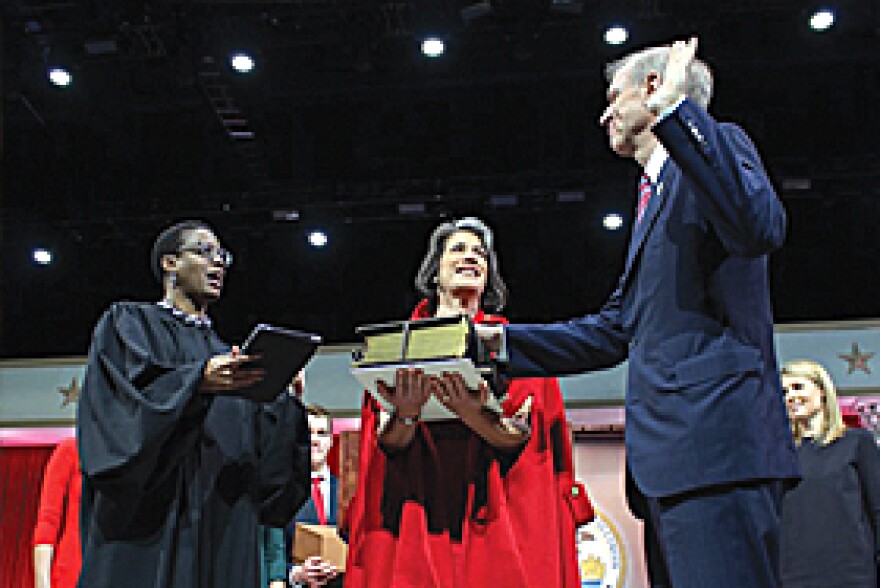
pixel 210 253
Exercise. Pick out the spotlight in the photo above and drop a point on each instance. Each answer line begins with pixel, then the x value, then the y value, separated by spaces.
pixel 433 47
pixel 60 77
pixel 317 238
pixel 241 62
pixel 821 20
pixel 612 221
pixel 42 256
pixel 616 35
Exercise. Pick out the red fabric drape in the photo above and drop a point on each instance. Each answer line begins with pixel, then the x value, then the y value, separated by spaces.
pixel 58 514
pixel 21 473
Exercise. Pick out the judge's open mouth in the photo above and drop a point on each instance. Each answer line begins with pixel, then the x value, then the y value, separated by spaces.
pixel 215 279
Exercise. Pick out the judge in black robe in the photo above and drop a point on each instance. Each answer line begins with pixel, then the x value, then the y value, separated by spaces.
pixel 177 474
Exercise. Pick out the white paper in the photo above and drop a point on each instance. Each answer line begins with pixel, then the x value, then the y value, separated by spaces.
pixel 433 410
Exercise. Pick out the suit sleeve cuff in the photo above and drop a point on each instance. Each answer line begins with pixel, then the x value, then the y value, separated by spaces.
pixel 665 112
pixel 290 576
pixel 502 356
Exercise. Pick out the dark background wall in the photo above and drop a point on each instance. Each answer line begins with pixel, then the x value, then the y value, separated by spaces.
pixel 349 122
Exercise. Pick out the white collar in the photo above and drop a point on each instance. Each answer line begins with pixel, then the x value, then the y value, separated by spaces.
pixel 656 162
pixel 189 319
pixel 323 473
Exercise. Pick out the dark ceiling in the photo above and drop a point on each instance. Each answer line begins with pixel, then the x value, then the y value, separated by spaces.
pixel 345 123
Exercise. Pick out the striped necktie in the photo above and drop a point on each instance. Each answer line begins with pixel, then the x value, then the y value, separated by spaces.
pixel 645 190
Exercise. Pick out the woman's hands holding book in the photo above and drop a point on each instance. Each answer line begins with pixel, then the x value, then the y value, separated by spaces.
pixel 411 391
pixel 469 406
pixel 412 388
pixel 454 394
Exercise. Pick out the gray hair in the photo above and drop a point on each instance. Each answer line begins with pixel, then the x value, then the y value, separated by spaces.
pixel 495 295
pixel 642 63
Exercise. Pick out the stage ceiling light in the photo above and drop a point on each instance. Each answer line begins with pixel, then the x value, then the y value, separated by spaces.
pixel 60 77
pixel 616 35
pixel 502 200
pixel 411 208
pixel 317 238
pixel 433 47
pixel 612 221
pixel 241 62
pixel 42 256
pixel 822 20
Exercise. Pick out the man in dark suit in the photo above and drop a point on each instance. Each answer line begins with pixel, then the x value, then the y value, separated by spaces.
pixel 320 508
pixel 707 439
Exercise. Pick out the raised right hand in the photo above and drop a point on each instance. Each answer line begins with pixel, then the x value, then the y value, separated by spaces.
pixel 681 55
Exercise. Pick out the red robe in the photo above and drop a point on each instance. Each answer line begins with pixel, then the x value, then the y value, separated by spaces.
pixel 58 514
pixel 450 511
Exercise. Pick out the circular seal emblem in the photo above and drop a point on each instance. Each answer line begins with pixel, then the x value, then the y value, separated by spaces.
pixel 601 557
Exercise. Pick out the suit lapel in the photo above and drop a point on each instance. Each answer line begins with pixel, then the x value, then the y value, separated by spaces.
pixel 309 512
pixel 652 212
pixel 333 502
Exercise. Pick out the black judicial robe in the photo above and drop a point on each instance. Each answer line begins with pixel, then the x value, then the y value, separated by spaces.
pixel 175 482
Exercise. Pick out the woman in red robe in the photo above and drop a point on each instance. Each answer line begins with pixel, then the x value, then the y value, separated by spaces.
pixel 478 501
pixel 57 558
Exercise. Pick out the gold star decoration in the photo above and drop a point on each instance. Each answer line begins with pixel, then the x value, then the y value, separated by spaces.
pixel 70 393
pixel 857 359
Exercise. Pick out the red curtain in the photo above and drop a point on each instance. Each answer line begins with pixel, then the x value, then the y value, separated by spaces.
pixel 21 473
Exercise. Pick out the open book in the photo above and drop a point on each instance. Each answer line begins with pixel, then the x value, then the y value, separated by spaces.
pixel 416 340
pixel 433 410
pixel 435 345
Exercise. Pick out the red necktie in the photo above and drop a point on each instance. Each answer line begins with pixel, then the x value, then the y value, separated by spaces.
pixel 644 197
pixel 318 499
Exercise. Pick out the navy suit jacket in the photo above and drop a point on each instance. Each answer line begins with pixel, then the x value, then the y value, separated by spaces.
pixel 308 514
pixel 691 311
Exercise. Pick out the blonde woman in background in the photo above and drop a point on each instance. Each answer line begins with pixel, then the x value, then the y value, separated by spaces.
pixel 830 519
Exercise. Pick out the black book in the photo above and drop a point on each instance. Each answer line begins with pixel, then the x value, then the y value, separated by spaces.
pixel 281 353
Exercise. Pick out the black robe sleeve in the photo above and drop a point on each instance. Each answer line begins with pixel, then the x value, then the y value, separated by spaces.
pixel 140 411
pixel 284 442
